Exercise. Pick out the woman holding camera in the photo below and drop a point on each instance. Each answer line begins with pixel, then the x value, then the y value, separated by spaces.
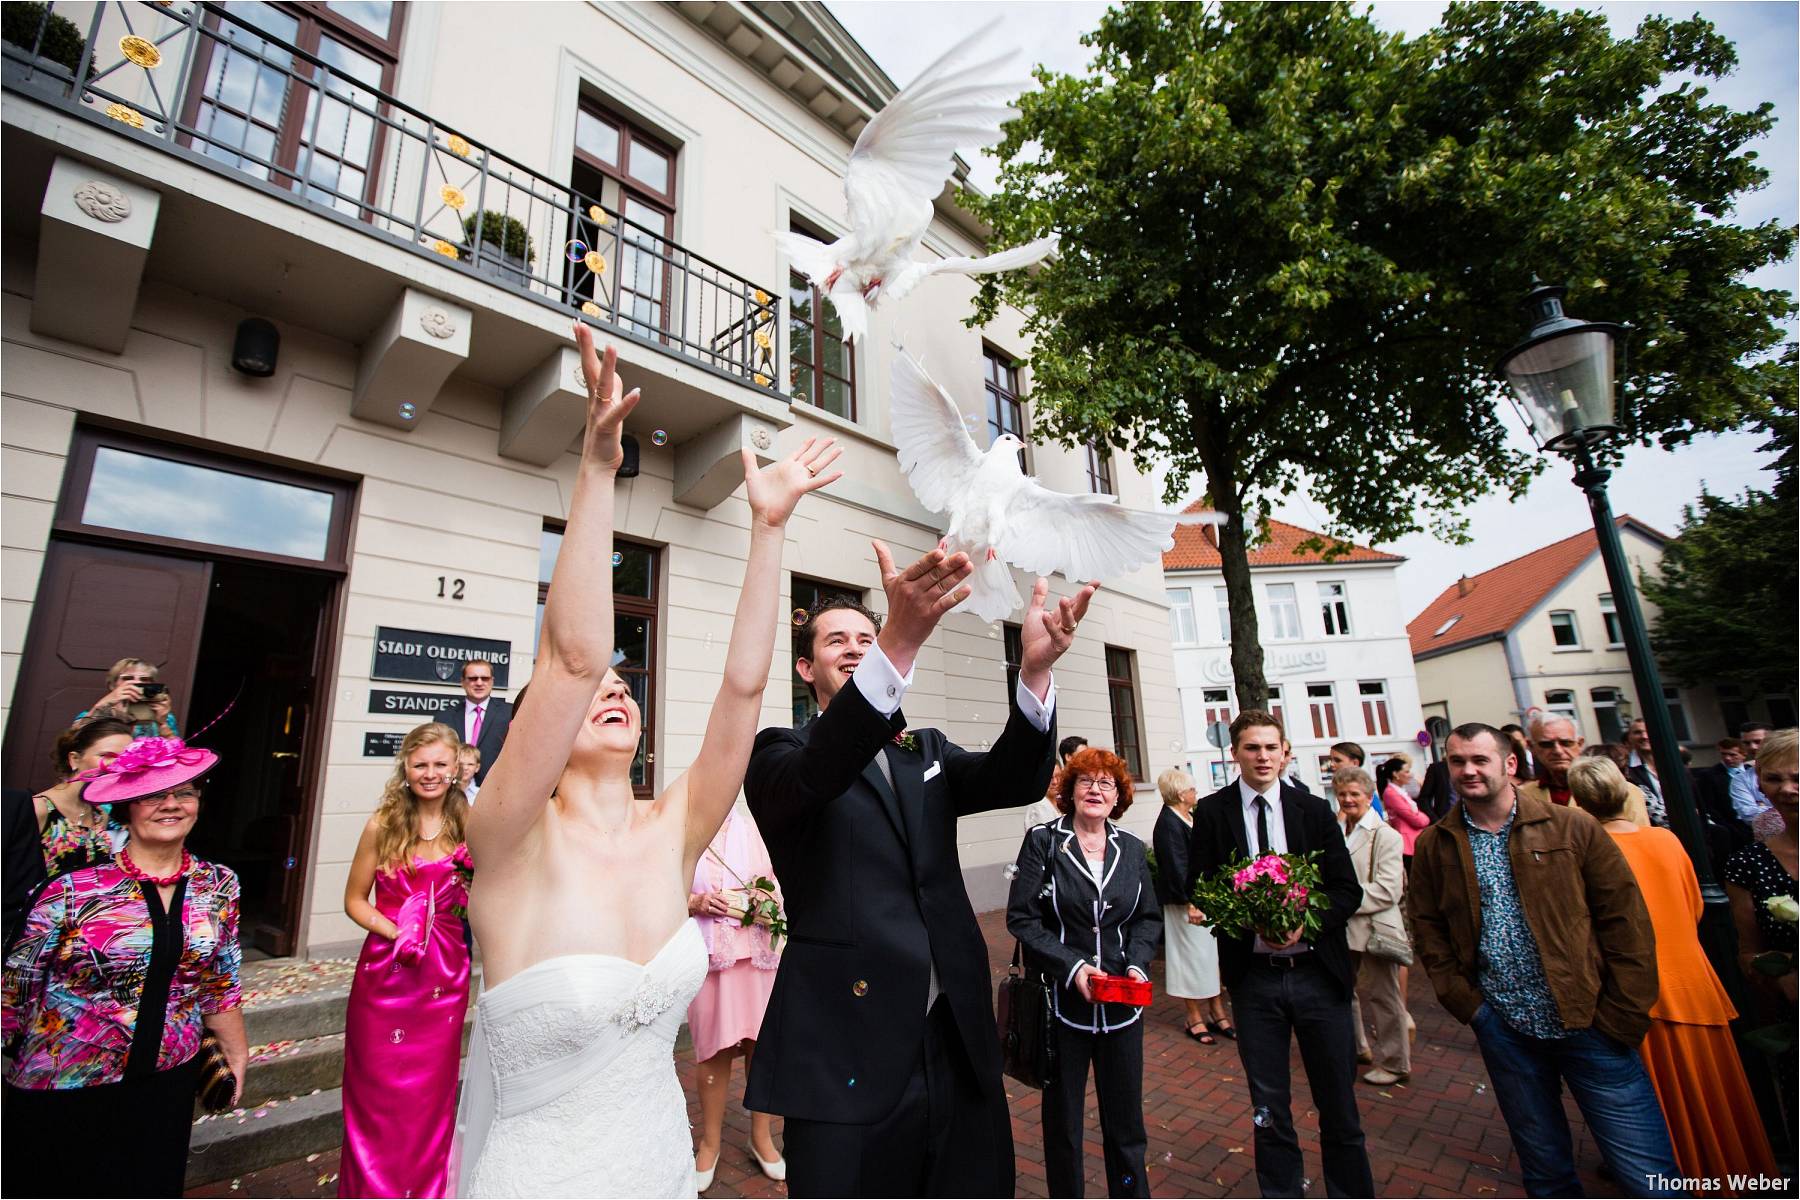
pixel 1083 906
pixel 119 971
pixel 134 696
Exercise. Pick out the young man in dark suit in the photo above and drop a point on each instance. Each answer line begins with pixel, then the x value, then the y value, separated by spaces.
pixel 481 718
pixel 1290 989
pixel 878 1045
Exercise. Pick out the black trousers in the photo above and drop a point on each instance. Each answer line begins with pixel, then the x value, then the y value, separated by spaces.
pixel 1273 1005
pixel 138 1136
pixel 1118 1061
pixel 945 1137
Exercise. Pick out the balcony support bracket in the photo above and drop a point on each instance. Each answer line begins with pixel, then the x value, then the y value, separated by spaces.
pixel 94 232
pixel 406 360
pixel 545 410
pixel 708 467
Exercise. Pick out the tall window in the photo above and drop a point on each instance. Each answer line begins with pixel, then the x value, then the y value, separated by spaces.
pixel 1321 703
pixel 821 364
pixel 1563 630
pixel 1734 709
pixel 1561 703
pixel 1334 603
pixel 1677 714
pixel 1005 399
pixel 1099 469
pixel 1606 713
pixel 1275 706
pixel 632 172
pixel 1284 612
pixel 806 593
pixel 1181 616
pixel 1222 598
pixel 1609 617
pixel 1373 693
pixel 253 103
pixel 634 630
pixel 1217 702
pixel 1013 638
pixel 1121 690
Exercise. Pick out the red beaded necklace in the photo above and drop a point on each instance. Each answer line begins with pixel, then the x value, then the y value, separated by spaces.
pixel 138 873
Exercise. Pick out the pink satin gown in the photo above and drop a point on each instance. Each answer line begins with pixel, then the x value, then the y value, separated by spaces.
pixel 403 1039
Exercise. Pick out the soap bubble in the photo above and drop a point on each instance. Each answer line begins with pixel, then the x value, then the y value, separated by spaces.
pixel 1262 1118
pixel 408 411
pixel 799 616
pixel 617 558
pixel 576 250
pixel 660 437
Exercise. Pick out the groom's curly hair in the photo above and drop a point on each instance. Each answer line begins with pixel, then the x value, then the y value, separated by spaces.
pixel 805 629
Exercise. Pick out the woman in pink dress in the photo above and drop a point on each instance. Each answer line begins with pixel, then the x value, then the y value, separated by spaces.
pixel 403 1030
pixel 727 1013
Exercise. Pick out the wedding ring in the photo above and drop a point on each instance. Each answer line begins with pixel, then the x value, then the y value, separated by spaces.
pixel 810 469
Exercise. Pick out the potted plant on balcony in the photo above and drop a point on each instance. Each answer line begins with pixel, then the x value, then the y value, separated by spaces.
pixel 511 253
pixel 19 24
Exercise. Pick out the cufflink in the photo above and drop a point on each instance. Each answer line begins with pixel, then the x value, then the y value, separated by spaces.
pixel 892 691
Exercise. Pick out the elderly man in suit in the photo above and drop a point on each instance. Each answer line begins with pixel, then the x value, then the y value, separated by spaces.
pixel 481 718
pixel 1295 989
pixel 878 1044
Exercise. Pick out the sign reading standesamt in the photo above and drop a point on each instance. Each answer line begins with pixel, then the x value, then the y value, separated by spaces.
pixel 427 706
pixel 413 656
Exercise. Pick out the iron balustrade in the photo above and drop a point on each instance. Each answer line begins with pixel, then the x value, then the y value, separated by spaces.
pixel 247 104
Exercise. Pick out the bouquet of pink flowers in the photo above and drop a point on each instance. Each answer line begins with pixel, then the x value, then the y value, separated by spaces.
pixel 1271 896
pixel 462 863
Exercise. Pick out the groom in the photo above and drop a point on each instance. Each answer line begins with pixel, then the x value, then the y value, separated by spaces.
pixel 878 1045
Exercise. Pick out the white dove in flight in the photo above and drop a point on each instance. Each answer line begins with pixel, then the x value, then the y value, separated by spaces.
pixel 897 168
pixel 1000 515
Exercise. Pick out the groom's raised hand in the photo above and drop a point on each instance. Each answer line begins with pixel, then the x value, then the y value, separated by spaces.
pixel 1047 632
pixel 917 597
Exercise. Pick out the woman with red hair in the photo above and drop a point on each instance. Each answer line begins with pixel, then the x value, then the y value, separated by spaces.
pixel 1083 904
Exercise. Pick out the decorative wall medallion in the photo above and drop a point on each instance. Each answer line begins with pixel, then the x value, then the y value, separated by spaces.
pixel 102 201
pixel 141 51
pixel 437 322
pixel 125 115
pixel 452 196
pixel 761 438
pixel 581 383
pixel 459 145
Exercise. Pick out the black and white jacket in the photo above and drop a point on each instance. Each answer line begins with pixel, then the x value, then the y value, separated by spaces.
pixel 1064 919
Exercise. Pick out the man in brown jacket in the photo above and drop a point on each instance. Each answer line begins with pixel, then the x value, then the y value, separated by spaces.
pixel 1529 921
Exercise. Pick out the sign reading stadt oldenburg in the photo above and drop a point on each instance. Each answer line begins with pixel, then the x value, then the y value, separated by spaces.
pixel 413 656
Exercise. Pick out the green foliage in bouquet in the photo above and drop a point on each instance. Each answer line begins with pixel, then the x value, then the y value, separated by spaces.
pixel 1272 896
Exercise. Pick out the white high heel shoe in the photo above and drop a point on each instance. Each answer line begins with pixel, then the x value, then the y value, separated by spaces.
pixel 776 1170
pixel 704 1179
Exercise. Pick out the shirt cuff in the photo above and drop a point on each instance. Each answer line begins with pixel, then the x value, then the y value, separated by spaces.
pixel 1138 972
pixel 881 684
pixel 1038 712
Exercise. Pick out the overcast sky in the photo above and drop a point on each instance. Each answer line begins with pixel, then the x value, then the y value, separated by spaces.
pixel 1652 484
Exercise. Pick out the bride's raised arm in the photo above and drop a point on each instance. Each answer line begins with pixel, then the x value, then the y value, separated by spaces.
pixel 717 774
pixel 576 645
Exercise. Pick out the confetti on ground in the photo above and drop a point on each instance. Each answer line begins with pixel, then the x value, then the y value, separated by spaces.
pixel 312 1158
pixel 292 978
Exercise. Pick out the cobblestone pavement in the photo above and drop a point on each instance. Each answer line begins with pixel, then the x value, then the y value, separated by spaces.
pixel 1439 1135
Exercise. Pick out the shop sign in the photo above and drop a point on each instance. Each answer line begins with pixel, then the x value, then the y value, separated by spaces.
pixel 427 706
pixel 413 656
pixel 382 744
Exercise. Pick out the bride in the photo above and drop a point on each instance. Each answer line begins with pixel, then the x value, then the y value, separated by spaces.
pixel 580 898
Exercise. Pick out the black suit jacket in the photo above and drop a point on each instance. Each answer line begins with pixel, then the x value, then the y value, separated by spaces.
pixel 1170 840
pixel 1219 838
pixel 1726 833
pixel 874 895
pixel 24 872
pixel 494 724
pixel 1063 920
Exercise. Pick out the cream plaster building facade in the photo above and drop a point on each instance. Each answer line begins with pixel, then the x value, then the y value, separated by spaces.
pixel 327 542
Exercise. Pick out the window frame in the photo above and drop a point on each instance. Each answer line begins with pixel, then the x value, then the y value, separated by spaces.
pixel 1293 598
pixel 1610 623
pixel 1222 601
pixel 1121 687
pixel 1340 602
pixel 1099 469
pixel 1215 705
pixel 1374 703
pixel 1557 646
pixel 1325 705
pixel 630 187
pixel 1677 710
pixel 1276 708
pixel 1003 395
pixel 1175 608
pixel 1603 700
pixel 816 331
pixel 1568 709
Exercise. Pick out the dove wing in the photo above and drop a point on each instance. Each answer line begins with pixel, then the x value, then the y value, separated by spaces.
pixel 1084 537
pixel 935 451
pixel 903 155
pixel 1002 260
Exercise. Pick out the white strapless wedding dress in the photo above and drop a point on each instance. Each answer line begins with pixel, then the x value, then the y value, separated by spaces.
pixel 570 1088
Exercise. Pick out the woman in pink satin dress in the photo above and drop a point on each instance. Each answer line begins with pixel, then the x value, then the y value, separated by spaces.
pixel 403 1030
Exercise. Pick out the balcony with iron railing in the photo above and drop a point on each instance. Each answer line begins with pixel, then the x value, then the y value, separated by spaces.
pixel 200 83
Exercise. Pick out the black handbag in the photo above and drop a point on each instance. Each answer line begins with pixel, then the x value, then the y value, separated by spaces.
pixel 218 1086
pixel 1023 1011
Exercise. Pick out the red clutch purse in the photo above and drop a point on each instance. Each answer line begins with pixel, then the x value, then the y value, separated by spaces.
pixel 1121 989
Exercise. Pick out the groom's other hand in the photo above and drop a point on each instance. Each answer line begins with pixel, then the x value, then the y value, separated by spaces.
pixel 1048 632
pixel 917 597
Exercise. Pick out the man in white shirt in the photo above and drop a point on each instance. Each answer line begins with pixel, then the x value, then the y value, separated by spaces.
pixel 481 718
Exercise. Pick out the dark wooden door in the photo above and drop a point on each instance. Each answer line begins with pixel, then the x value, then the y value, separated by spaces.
pixel 96 605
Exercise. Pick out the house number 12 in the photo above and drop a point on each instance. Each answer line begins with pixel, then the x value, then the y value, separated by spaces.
pixel 456 588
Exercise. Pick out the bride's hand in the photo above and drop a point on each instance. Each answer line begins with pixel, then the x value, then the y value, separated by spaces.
pixel 775 489
pixel 608 404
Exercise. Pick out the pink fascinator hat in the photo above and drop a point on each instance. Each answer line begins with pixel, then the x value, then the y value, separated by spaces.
pixel 146 767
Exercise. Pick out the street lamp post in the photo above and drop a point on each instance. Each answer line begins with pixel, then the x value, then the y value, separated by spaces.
pixel 1562 377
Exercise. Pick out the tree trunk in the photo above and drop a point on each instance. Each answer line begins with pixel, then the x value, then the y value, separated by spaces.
pixel 1213 441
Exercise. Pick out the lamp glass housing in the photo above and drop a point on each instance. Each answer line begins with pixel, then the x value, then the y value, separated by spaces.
pixel 1563 383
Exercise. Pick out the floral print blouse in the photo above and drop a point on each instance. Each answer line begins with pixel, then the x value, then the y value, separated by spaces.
pixel 69 847
pixel 74 978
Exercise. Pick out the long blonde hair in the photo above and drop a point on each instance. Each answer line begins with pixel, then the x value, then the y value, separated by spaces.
pixel 397 816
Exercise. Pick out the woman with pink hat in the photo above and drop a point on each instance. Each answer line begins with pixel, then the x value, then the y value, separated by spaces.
pixel 119 971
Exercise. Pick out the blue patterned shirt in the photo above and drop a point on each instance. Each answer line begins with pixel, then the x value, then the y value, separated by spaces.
pixel 1510 971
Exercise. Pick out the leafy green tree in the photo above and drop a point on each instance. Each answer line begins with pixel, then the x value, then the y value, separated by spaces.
pixel 1729 591
pixel 1293 247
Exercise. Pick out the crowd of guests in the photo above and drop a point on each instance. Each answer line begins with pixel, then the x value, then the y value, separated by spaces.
pixel 1532 878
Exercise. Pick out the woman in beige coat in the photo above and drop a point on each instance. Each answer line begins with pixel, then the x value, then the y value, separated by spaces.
pixel 1376 849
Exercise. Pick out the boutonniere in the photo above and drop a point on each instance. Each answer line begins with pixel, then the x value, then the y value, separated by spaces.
pixel 907 741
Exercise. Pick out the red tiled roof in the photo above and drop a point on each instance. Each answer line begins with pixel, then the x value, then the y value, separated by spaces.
pixel 1485 606
pixel 1197 547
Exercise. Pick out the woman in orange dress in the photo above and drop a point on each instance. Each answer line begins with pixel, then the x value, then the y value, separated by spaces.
pixel 1689 1051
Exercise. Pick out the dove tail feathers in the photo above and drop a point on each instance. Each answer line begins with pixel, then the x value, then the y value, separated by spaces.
pixel 992 594
pixel 852 311
pixel 812 258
